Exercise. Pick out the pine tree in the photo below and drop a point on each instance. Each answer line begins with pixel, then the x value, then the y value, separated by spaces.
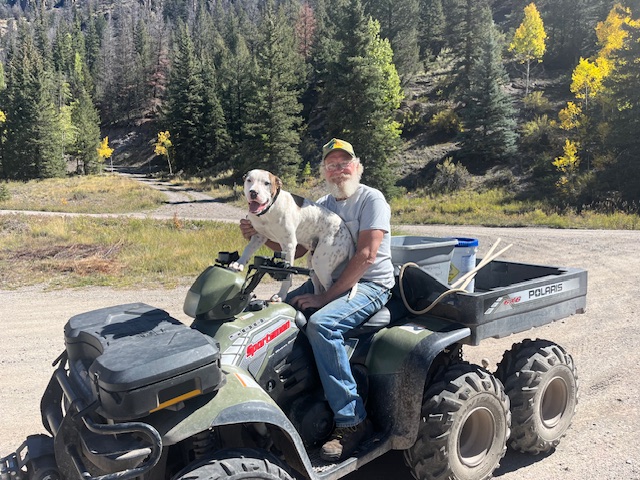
pixel 489 117
pixel 399 23
pixel 93 40
pixel 142 46
pixel 86 122
pixel 305 29
pixel 462 35
pixel 184 102
pixel 212 135
pixel 104 73
pixel 33 147
pixel 236 82
pixel 623 87
pixel 431 28
pixel 128 70
pixel 360 93
pixel 273 132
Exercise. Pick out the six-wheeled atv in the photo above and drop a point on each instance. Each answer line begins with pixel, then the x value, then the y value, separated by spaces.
pixel 137 393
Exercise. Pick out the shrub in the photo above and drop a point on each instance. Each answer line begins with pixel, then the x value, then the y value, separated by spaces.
pixel 538 132
pixel 450 177
pixel 411 119
pixel 536 102
pixel 4 192
pixel 445 122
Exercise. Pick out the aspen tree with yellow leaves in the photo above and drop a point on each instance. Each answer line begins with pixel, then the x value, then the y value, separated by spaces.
pixel 567 164
pixel 528 44
pixel 105 151
pixel 586 80
pixel 163 147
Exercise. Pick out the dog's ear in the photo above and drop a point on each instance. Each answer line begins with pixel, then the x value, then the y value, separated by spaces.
pixel 276 184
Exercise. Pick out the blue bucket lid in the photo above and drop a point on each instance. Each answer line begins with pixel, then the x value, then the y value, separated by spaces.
pixel 467 242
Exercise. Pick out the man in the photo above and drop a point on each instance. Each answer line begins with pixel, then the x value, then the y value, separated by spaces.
pixel 368 216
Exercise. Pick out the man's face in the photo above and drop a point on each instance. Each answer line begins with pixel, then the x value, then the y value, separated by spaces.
pixel 341 173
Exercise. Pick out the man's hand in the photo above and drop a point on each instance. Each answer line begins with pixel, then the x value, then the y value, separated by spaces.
pixel 309 300
pixel 247 229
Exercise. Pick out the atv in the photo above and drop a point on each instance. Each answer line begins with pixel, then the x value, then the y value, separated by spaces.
pixel 137 393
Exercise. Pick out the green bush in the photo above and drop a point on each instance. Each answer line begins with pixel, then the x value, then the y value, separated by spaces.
pixel 411 119
pixel 445 122
pixel 4 192
pixel 450 177
pixel 537 133
pixel 536 102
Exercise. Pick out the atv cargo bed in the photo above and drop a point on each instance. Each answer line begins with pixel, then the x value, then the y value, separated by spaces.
pixel 513 297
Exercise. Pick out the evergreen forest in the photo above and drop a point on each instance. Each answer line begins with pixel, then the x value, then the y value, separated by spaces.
pixel 542 97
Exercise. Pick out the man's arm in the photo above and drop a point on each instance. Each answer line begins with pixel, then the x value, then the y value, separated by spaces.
pixel 366 251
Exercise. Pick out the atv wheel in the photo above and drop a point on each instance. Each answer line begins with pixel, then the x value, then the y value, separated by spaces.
pixel 246 464
pixel 464 428
pixel 541 381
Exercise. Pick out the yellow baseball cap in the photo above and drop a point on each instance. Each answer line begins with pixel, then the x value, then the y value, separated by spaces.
pixel 337 144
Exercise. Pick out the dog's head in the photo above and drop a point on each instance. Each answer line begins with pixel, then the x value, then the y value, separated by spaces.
pixel 260 189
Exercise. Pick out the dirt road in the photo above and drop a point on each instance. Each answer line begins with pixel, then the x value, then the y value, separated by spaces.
pixel 602 443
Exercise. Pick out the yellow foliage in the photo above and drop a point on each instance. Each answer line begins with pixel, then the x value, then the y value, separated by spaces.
pixel 570 116
pixel 569 161
pixel 104 151
pixel 586 79
pixel 567 164
pixel 529 39
pixel 162 145
pixel 3 117
pixel 610 33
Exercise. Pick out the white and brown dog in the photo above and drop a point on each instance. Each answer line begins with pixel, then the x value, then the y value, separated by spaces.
pixel 291 220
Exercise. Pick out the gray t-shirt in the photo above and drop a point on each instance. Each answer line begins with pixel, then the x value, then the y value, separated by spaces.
pixel 367 209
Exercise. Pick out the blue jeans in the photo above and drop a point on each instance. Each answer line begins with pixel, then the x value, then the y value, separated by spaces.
pixel 325 330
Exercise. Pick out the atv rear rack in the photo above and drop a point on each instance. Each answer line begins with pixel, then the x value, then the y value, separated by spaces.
pixel 512 297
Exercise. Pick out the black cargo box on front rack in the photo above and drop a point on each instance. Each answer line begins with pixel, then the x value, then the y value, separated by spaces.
pixel 137 359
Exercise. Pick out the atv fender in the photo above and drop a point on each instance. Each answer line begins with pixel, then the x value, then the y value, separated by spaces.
pixel 399 362
pixel 240 401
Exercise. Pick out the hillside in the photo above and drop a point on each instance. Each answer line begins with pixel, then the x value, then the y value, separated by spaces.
pixel 248 83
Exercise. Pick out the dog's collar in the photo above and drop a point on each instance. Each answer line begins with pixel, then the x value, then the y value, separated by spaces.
pixel 275 197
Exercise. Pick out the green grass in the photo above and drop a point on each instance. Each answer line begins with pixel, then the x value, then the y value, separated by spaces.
pixel 499 209
pixel 81 194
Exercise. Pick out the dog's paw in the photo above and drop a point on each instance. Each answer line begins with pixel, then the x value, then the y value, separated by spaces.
pixel 238 267
pixel 275 298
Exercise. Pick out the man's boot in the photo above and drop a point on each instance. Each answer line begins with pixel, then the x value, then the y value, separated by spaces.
pixel 345 440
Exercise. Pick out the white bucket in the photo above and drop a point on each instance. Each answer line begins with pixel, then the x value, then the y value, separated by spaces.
pixel 463 260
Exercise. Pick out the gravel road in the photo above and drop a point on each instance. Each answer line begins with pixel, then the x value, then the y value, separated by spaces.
pixel 602 443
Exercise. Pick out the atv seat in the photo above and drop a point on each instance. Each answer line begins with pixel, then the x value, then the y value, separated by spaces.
pixel 378 320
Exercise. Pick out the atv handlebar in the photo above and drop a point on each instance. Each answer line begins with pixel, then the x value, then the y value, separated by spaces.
pixel 276 267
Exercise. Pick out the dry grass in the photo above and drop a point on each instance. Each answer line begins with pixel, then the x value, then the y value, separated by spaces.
pixel 82 194
pixel 119 252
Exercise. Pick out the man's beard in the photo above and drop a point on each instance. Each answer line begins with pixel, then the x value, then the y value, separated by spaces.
pixel 346 186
